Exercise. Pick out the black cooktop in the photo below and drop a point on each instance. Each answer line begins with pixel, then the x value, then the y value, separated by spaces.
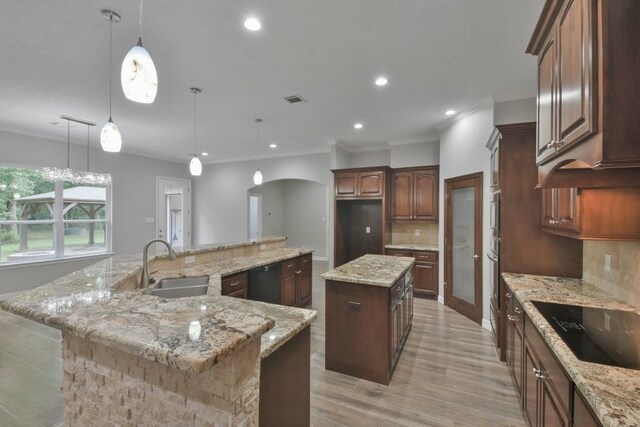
pixel 597 335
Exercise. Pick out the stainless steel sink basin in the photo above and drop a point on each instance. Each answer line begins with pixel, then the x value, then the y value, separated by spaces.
pixel 182 292
pixel 182 282
pixel 181 287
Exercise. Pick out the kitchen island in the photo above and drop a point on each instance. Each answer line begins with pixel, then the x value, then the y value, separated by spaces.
pixel 369 306
pixel 133 358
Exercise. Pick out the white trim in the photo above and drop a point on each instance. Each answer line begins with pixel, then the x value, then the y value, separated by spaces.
pixel 493 139
pixel 320 258
pixel 10 295
pixel 268 156
pixel 486 325
pixel 441 299
pixel 486 102
pixel 27 264
pixel 430 139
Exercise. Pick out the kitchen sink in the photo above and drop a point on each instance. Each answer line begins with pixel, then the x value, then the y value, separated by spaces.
pixel 182 282
pixel 181 287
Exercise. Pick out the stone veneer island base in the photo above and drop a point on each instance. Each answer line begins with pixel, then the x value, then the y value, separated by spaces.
pixel 130 358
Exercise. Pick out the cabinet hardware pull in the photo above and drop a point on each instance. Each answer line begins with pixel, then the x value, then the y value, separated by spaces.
pixel 517 310
pixel 234 284
pixel 290 265
pixel 508 295
pixel 353 305
pixel 299 272
pixel 539 373
pixel 512 318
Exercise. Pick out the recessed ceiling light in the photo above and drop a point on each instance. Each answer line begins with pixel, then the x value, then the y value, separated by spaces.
pixel 358 126
pixel 450 112
pixel 273 145
pixel 252 24
pixel 381 81
pixel 204 153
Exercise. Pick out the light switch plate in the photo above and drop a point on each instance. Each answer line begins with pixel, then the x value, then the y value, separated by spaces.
pixel 417 232
pixel 149 219
pixel 263 246
pixel 607 262
pixel 368 230
pixel 190 259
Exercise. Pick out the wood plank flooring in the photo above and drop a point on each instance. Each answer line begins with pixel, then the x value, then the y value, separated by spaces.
pixel 448 375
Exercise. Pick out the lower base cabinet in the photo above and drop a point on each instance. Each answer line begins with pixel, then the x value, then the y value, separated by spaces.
pixel 285 384
pixel 583 416
pixel 235 286
pixel 295 286
pixel 425 271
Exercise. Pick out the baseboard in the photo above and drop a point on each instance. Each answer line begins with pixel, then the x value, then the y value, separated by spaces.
pixel 320 258
pixel 486 325
pixel 10 295
pixel 440 299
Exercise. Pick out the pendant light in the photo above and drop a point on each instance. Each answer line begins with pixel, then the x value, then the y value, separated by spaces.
pixel 195 167
pixel 110 138
pixel 138 74
pixel 257 177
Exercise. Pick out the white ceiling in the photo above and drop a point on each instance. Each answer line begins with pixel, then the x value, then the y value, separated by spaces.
pixel 437 54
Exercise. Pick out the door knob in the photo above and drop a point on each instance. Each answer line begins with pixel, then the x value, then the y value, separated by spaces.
pixel 476 256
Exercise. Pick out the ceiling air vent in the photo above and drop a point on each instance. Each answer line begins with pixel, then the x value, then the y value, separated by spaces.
pixel 294 99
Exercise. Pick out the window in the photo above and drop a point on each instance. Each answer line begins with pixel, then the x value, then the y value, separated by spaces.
pixel 42 220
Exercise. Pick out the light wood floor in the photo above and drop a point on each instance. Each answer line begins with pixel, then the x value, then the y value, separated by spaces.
pixel 448 375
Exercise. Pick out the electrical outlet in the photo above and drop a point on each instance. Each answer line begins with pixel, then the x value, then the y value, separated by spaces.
pixel 607 262
pixel 417 232
pixel 367 230
pixel 149 219
pixel 190 259
pixel 263 247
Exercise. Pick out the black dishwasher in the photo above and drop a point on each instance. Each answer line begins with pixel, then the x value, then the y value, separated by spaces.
pixel 264 283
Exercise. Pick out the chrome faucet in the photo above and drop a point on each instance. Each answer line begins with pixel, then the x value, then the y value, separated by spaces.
pixel 144 280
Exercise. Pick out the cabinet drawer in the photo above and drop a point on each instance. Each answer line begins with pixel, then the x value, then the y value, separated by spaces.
pixel 425 256
pixel 289 266
pixel 304 261
pixel 397 289
pixel 232 284
pixel 397 252
pixel 553 372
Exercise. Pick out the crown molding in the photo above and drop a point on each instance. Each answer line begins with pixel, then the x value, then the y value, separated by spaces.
pixel 486 102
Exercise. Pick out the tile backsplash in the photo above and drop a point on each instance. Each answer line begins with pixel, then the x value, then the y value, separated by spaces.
pixel 404 233
pixel 622 279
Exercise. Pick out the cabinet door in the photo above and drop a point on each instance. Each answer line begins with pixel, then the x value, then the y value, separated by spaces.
pixel 530 386
pixel 582 415
pixel 425 195
pixel 288 290
pixel 509 338
pixel 425 279
pixel 346 184
pixel 304 287
pixel 240 293
pixel 402 191
pixel 371 184
pixel 576 94
pixel 551 412
pixel 567 209
pixel 548 207
pixel 518 342
pixel 395 323
pixel 546 100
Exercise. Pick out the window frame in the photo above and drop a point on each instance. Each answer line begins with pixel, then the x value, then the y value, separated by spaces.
pixel 58 221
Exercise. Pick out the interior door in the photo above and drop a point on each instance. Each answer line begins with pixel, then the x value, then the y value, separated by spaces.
pixel 173 211
pixel 463 245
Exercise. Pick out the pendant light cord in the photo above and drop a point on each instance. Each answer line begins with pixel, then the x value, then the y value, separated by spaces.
pixel 258 121
pixel 110 63
pixel 195 122
pixel 68 141
pixel 140 22
pixel 88 127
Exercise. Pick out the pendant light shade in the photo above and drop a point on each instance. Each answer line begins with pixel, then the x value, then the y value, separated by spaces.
pixel 110 138
pixel 257 177
pixel 195 167
pixel 138 73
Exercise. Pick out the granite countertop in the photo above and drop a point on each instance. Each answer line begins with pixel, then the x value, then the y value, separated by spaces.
pixel 87 303
pixel 413 247
pixel 375 270
pixel 612 392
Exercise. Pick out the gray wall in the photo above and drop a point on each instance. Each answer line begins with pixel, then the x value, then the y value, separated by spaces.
pixel 371 158
pixel 305 215
pixel 462 151
pixel 220 194
pixel 516 111
pixel 419 154
pixel 134 197
pixel 272 204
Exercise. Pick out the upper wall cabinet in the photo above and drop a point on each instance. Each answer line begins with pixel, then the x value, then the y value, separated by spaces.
pixel 414 193
pixel 588 64
pixel 365 183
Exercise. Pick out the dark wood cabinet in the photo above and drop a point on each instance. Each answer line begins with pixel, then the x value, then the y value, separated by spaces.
pixel 425 271
pixel 592 213
pixel 295 282
pixel 367 327
pixel 547 389
pixel 514 339
pixel 583 416
pixel 587 91
pixel 414 194
pixel 235 286
pixel 359 183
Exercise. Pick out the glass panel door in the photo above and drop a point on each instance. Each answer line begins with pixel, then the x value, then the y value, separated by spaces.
pixel 463 232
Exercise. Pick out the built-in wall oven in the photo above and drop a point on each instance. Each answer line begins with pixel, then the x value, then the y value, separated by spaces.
pixel 494 261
